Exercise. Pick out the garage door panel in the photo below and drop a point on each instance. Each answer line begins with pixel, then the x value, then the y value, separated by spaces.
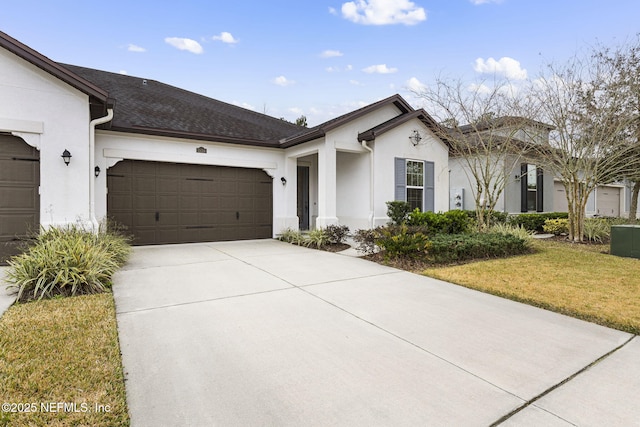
pixel 15 225
pixel 19 198
pixel 193 202
pixel 18 172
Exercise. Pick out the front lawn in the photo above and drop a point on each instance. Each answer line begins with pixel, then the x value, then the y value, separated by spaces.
pixel 60 360
pixel 574 279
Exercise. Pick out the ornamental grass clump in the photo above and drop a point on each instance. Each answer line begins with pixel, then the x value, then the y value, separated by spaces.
pixel 67 261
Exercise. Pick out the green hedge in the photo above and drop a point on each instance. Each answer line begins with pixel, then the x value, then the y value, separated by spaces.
pixel 496 217
pixel 463 247
pixel 451 222
pixel 535 221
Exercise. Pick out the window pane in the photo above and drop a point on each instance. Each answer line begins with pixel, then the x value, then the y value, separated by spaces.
pixel 415 174
pixel 531 200
pixel 532 179
pixel 414 198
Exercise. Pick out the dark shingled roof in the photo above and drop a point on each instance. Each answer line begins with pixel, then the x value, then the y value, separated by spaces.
pixel 150 107
pixel 321 129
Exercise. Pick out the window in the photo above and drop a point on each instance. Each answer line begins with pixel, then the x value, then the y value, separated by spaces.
pixel 531 183
pixel 532 187
pixel 415 184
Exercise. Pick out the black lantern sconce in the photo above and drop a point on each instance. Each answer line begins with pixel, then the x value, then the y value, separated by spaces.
pixel 96 171
pixel 415 137
pixel 284 180
pixel 66 156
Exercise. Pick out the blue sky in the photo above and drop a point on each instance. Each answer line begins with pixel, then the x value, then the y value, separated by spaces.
pixel 320 58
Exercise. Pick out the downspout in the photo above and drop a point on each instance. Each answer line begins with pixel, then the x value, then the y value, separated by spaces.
pixel 371 192
pixel 92 164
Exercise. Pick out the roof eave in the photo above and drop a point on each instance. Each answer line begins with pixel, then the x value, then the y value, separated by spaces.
pixel 25 52
pixel 195 136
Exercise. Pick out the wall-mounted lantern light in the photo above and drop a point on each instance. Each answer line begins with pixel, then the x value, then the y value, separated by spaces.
pixel 284 180
pixel 415 137
pixel 66 156
pixel 96 171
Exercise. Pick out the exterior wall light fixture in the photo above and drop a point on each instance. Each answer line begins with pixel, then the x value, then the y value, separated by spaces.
pixel 415 137
pixel 284 180
pixel 66 156
pixel 96 171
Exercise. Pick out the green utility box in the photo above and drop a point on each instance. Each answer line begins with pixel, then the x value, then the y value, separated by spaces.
pixel 625 240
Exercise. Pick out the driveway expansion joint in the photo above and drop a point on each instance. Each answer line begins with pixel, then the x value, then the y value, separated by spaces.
pixel 561 383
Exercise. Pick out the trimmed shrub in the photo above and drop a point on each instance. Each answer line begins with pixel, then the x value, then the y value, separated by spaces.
pixel 556 226
pixel 535 221
pixel 462 247
pixel 398 212
pixel 402 242
pixel 337 233
pixel 67 261
pixel 496 217
pixel 451 222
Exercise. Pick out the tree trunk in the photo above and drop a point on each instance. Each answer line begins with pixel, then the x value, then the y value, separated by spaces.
pixel 634 200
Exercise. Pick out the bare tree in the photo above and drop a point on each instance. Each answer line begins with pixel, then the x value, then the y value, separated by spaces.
pixel 624 62
pixel 483 123
pixel 589 145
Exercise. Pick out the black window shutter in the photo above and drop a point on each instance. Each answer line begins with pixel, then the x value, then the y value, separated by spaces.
pixel 523 187
pixel 539 190
pixel 400 179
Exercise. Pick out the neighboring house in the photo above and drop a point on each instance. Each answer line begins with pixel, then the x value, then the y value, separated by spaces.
pixel 174 166
pixel 529 188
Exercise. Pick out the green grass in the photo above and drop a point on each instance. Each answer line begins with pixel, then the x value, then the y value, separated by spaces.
pixel 574 279
pixel 62 350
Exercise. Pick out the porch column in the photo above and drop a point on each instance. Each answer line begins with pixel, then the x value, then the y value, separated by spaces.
pixel 326 186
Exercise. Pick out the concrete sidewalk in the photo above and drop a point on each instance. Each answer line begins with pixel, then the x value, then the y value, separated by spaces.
pixel 267 333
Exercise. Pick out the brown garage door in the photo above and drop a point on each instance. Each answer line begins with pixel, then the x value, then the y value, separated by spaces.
pixel 19 199
pixel 179 203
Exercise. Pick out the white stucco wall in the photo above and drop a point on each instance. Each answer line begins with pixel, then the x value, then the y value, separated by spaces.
pixel 51 116
pixel 353 190
pixel 396 143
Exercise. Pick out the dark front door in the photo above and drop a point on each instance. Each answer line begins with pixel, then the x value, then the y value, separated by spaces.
pixel 303 197
pixel 163 203
pixel 19 198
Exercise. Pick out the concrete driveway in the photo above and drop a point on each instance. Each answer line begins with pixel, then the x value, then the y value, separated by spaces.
pixel 260 333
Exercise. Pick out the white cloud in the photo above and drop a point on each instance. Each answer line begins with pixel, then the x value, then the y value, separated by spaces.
pixel 508 67
pixel 379 69
pixel 349 67
pixel 479 2
pixel 283 81
pixel 296 110
pixel 355 83
pixel 331 54
pixel 415 85
pixel 383 12
pixel 135 48
pixel 333 11
pixel 123 72
pixel 225 37
pixel 331 69
pixel 185 44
